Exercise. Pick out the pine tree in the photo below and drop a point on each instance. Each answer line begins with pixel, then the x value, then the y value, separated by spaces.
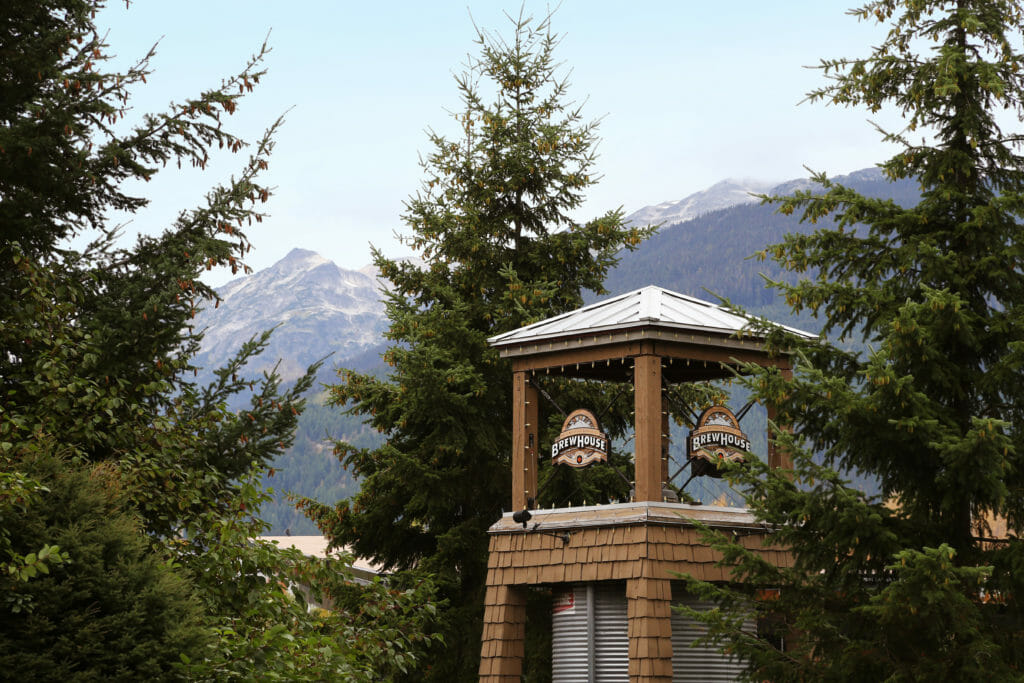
pixel 912 586
pixel 96 353
pixel 115 609
pixel 97 340
pixel 500 248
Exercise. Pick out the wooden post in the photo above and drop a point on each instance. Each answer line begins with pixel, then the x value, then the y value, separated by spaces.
pixel 524 440
pixel 647 416
pixel 532 443
pixel 776 456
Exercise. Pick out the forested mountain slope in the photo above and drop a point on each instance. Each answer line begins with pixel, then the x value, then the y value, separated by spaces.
pixel 711 254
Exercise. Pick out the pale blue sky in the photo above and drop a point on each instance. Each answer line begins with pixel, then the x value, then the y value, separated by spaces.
pixel 690 93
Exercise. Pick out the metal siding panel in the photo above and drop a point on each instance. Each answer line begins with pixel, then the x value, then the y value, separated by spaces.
pixel 569 643
pixel 614 312
pixel 701 314
pixel 609 311
pixel 611 633
pixel 650 304
pixel 667 308
pixel 569 657
pixel 702 663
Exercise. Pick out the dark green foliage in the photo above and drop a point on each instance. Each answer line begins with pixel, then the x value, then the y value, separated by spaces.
pixel 538 662
pixel 914 587
pixel 566 486
pixel 264 608
pixel 115 610
pixel 140 555
pixel 493 226
pixel 95 340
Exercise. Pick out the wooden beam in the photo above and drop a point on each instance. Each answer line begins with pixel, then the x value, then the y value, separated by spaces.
pixel 647 409
pixel 532 440
pixel 666 442
pixel 702 358
pixel 504 634
pixel 520 440
pixel 649 629
pixel 592 339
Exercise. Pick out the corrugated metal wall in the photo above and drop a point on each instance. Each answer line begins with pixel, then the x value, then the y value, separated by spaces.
pixel 611 642
pixel 590 641
pixel 570 639
pixel 700 663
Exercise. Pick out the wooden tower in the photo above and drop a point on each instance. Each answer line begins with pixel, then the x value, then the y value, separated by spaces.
pixel 650 337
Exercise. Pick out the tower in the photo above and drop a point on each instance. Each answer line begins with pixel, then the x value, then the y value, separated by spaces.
pixel 612 563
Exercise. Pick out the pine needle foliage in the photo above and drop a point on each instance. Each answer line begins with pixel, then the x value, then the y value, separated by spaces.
pixel 160 579
pixel 493 223
pixel 923 584
pixel 115 610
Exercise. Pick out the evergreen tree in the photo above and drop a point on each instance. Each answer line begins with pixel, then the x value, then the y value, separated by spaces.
pixel 116 610
pixel 915 586
pixel 501 249
pixel 96 354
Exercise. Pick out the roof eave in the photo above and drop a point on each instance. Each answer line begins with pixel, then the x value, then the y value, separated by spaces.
pixel 693 330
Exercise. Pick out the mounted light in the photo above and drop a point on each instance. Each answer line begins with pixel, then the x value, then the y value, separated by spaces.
pixel 522 517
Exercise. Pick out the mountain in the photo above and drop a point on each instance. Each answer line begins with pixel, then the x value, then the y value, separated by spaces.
pixel 317 308
pixel 705 244
pixel 711 254
pixel 870 182
pixel 721 195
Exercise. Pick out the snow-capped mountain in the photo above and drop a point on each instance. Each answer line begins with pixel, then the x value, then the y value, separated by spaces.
pixel 721 195
pixel 320 309
pixel 317 308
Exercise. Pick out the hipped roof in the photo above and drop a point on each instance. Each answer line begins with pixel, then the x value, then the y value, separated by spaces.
pixel 648 307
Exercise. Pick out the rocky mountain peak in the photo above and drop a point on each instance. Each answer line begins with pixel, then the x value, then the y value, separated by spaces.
pixel 318 309
pixel 721 195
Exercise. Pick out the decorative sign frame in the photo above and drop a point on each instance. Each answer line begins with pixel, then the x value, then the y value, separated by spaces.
pixel 581 443
pixel 716 439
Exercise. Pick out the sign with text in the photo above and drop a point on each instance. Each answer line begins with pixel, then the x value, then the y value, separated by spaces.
pixel 581 442
pixel 716 439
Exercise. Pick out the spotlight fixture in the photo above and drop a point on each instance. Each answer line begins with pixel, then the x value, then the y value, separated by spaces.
pixel 522 517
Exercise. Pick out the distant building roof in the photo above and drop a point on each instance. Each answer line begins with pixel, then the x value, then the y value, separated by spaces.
pixel 647 307
pixel 316 546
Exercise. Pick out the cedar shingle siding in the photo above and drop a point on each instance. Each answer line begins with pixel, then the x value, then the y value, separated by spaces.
pixel 641 543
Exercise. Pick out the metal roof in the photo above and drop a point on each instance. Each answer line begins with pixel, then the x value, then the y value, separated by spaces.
pixel 647 307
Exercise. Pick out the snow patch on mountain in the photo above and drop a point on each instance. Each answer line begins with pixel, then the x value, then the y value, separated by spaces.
pixel 721 195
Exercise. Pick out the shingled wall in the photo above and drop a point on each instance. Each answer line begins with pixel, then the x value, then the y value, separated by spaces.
pixel 604 554
pixel 641 543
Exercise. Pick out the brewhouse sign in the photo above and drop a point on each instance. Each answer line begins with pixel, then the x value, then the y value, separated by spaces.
pixel 717 438
pixel 581 442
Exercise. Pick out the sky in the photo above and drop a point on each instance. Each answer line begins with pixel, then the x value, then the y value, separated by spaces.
pixel 688 94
